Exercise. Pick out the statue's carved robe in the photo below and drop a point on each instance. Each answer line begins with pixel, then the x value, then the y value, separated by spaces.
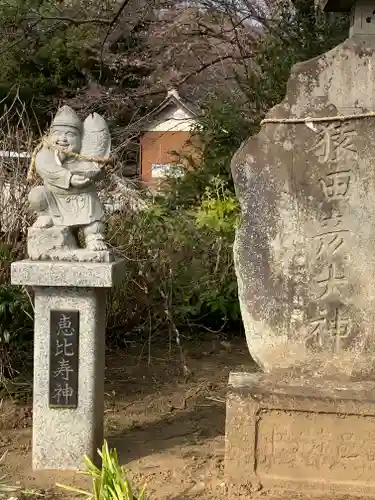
pixel 68 205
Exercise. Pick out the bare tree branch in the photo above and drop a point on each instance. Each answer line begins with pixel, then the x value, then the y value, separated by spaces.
pixel 208 64
pixel 111 25
pixel 77 22
pixel 19 40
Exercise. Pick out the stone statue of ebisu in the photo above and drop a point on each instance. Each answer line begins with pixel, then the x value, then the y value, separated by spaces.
pixel 69 163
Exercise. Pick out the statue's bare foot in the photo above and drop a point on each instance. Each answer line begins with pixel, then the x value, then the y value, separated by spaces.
pixel 95 244
pixel 43 221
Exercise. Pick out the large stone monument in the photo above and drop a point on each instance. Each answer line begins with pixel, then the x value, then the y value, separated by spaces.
pixel 305 264
pixel 70 283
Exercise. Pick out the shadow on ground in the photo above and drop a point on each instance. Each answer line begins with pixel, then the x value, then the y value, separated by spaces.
pixel 167 427
pixel 178 430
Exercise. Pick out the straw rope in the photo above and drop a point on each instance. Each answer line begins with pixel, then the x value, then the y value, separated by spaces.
pixel 96 159
pixel 319 119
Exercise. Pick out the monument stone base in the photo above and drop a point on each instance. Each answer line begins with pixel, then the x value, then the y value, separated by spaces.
pixel 59 244
pixel 294 437
pixel 69 351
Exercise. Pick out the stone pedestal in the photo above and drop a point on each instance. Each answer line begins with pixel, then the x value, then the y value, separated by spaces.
pixel 58 243
pixel 70 320
pixel 300 436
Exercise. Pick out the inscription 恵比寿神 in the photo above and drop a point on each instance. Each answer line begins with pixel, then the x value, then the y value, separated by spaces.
pixel 334 145
pixel 64 346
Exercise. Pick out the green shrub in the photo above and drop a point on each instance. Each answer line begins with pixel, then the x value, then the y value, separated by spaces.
pixel 179 266
pixel 16 317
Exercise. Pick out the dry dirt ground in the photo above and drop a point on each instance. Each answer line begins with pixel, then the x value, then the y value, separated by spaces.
pixel 167 428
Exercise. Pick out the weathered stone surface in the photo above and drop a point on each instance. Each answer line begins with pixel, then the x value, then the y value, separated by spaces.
pixel 300 436
pixel 304 253
pixel 41 241
pixel 79 255
pixel 61 437
pixel 67 274
pixel 58 243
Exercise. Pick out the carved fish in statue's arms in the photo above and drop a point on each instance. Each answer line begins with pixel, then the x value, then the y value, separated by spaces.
pixel 96 142
pixel 96 139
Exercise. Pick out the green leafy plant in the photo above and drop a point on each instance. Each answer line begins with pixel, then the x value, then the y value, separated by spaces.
pixel 108 482
pixel 219 208
pixel 179 268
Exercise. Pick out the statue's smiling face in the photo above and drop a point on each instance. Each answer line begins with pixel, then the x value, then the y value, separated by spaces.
pixel 66 137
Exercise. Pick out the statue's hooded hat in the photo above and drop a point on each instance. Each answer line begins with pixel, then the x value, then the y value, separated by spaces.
pixel 67 117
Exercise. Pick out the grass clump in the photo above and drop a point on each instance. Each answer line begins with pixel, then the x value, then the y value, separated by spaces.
pixel 108 482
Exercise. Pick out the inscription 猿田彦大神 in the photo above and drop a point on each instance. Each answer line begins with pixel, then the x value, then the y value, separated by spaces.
pixel 331 237
pixel 337 327
pixel 64 365
pixel 330 326
pixel 334 142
